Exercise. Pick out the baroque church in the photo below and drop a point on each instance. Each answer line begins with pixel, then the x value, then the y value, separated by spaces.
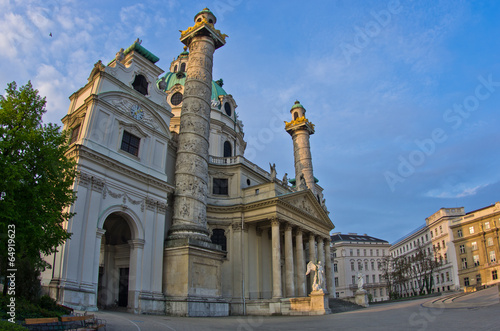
pixel 170 217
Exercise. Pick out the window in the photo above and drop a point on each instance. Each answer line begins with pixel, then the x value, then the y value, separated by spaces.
pixel 442 278
pixel 354 279
pixel 352 266
pixel 445 257
pixel 74 134
pixel 373 279
pixel 360 266
pixel 335 268
pixel 366 265
pixel 474 245
pixel 336 281
pixel 478 279
pixel 489 241
pixel 462 249
pixel 376 251
pixel 175 68
pixel 357 252
pixel 444 245
pixel 218 237
pixel 220 186
pixel 140 84
pixel 447 276
pixel 494 275
pixel 183 67
pixel 486 225
pixel 228 149
pixel 380 278
pixel 371 252
pixel 466 281
pixel 373 265
pixel 436 232
pixel 364 252
pixel 351 252
pixel 130 143
pixel 228 109
pixel 464 263
pixel 381 292
pixel 471 229
pixel 493 257
pixel 440 229
pixel 476 260
pixel 176 99
pixel 432 235
pixel 367 279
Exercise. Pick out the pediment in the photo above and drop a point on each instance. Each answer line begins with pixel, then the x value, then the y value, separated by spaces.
pixel 307 204
pixel 124 103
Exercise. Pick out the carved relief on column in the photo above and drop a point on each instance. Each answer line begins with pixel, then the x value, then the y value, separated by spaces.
pixel 289 264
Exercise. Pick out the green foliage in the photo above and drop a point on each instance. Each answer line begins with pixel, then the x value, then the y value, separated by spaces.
pixel 36 179
pixel 8 326
pixel 370 297
pixel 45 307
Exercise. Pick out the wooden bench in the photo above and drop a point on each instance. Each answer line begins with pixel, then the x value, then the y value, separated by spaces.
pixel 43 324
pixel 86 322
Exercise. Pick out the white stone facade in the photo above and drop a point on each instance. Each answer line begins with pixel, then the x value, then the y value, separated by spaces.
pixel 353 254
pixel 212 236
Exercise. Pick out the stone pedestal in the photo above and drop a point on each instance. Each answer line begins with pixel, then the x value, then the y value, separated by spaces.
pixel 319 303
pixel 192 279
pixel 361 298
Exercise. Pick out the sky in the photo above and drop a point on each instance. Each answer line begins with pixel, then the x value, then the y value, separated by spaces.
pixel 404 94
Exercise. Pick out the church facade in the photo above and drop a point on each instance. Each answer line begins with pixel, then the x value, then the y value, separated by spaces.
pixel 170 217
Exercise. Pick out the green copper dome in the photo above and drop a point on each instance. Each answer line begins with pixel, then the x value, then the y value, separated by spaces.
pixel 172 78
pixel 297 105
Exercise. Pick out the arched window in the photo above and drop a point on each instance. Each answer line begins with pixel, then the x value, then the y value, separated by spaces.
pixel 219 238
pixel 140 84
pixel 295 116
pixel 183 66
pixel 227 108
pixel 175 68
pixel 228 149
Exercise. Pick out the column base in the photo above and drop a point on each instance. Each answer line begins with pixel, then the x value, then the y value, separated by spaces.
pixel 192 278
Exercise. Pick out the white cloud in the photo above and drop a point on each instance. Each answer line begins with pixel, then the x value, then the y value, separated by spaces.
pixel 453 192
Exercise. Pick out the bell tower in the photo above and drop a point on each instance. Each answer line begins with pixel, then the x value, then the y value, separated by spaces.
pixel 300 129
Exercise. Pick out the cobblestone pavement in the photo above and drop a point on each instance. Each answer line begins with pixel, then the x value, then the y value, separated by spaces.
pixel 477 311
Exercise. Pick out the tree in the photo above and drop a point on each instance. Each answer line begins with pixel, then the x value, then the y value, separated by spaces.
pixel 35 187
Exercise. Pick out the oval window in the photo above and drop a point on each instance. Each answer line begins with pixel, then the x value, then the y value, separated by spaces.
pixel 176 99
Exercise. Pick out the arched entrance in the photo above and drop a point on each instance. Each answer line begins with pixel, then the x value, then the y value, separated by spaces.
pixel 114 262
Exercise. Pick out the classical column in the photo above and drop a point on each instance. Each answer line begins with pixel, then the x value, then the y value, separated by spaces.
pixel 275 238
pixel 289 274
pixel 301 271
pixel 135 273
pixel 191 168
pixel 321 251
pixel 330 286
pixel 312 248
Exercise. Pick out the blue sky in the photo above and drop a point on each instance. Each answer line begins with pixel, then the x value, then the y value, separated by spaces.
pixel 404 94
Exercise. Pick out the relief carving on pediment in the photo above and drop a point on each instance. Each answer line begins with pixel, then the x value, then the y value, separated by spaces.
pixel 305 205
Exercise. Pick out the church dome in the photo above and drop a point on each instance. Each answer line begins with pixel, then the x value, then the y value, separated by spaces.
pixel 167 81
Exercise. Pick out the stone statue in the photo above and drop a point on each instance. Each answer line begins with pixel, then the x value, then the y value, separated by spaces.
pixel 360 281
pixel 319 275
pixel 302 182
pixel 273 171
pixel 285 179
pixel 120 55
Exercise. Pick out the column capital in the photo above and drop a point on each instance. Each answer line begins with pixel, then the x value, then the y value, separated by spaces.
pixel 298 231
pixel 136 243
pixel 100 232
pixel 237 226
pixel 288 226
pixel 275 221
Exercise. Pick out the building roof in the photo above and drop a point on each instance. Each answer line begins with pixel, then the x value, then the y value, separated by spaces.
pixel 421 227
pixel 172 78
pixel 337 237
pixel 136 46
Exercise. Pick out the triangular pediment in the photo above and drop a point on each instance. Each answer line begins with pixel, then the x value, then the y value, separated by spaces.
pixel 305 202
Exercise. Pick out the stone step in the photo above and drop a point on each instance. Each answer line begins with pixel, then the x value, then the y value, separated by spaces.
pixel 339 305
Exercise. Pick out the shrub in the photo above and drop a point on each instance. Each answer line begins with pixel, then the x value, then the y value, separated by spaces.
pixel 8 326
